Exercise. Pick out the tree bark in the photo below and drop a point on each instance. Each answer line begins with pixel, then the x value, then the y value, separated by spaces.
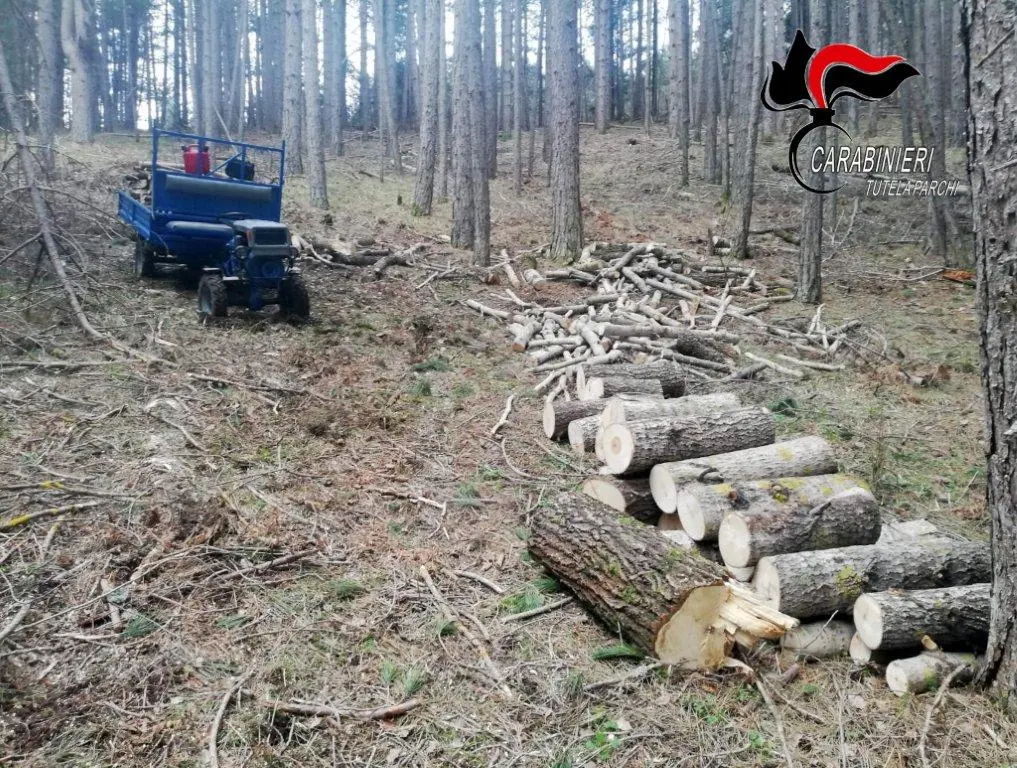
pixel 992 131
pixel 600 387
pixel 423 191
pixel 462 184
pixel 312 100
pixel 748 176
pixel 490 80
pixel 50 75
pixel 792 458
pixel 639 445
pixel 622 409
pixel 806 584
pixel 602 62
pixel 669 374
pixel 702 507
pixel 479 107
pixel 517 97
pixel 663 600
pixel 583 434
pixel 444 150
pixel 291 97
pixel 631 497
pixel 335 74
pixel 563 93
pixel 77 36
pixel 926 671
pixel 364 86
pixel 846 518
pixel 954 617
pixel 384 60
pixel 678 82
pixel 819 639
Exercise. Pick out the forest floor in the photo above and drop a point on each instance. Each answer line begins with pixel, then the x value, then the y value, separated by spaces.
pixel 360 443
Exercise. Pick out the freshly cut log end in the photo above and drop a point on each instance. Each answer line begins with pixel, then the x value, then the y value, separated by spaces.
pixel 558 414
pixel 599 387
pixel 819 639
pixel 662 599
pixel 625 408
pixel 926 671
pixel 806 584
pixel 847 518
pixel 799 457
pixel 631 496
pixel 744 575
pixel 673 532
pixel 637 446
pixel 583 434
pixel 864 656
pixel 956 617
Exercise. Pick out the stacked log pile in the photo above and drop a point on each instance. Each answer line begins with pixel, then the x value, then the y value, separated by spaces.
pixel 700 530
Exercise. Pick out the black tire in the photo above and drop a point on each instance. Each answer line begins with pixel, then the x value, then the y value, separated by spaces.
pixel 212 299
pixel 144 259
pixel 294 300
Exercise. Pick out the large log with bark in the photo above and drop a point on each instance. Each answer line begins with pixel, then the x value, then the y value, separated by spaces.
pixel 682 340
pixel 669 374
pixel 630 496
pixel 667 602
pixel 927 671
pixel 558 414
pixel 774 527
pixel 600 387
pixel 954 617
pixel 790 458
pixel 583 434
pixel 638 445
pixel 622 409
pixel 807 584
pixel 702 507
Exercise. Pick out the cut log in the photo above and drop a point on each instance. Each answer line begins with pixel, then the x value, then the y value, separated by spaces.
pixel 683 340
pixel 669 374
pixel 665 601
pixel 603 387
pixel 583 434
pixel 672 530
pixel 847 518
pixel 743 575
pixel 791 458
pixel 558 414
pixel 631 496
pixel 864 656
pixel 622 409
pixel 523 337
pixel 954 617
pixel 819 639
pixel 807 584
pixel 703 507
pixel 637 446
pixel 926 671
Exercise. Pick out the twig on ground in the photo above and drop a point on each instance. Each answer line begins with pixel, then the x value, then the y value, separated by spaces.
pixel 14 622
pixel 504 416
pixel 497 589
pixel 322 710
pixel 213 733
pixel 536 611
pixel 283 560
pixel 777 719
pixel 943 688
pixel 188 437
pixel 14 522
pixel 632 674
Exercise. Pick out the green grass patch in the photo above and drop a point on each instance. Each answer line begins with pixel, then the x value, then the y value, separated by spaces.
pixel 437 364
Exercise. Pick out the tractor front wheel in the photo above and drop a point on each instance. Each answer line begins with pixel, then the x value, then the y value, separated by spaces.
pixel 212 299
pixel 144 259
pixel 294 300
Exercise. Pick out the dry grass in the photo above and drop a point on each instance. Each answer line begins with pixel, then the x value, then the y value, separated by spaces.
pixel 363 436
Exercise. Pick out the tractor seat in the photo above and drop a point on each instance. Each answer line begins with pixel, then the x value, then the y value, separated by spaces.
pixel 200 229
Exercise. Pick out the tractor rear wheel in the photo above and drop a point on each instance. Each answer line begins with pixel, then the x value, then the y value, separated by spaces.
pixel 212 299
pixel 294 300
pixel 144 259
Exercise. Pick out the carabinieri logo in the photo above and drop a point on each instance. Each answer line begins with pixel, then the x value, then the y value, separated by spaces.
pixel 814 80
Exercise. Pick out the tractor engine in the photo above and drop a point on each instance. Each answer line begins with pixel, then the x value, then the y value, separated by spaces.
pixel 261 255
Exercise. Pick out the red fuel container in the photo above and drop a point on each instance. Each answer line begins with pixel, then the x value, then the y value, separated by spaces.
pixel 195 160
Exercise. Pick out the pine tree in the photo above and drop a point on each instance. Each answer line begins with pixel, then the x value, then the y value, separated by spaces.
pixel 312 101
pixel 563 95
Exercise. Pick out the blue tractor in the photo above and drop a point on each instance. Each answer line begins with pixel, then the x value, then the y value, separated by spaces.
pixel 218 216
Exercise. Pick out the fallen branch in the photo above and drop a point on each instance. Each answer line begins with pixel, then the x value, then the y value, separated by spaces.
pixel 322 710
pixel 213 733
pixel 504 416
pixel 19 520
pixel 481 580
pixel 632 674
pixel 537 611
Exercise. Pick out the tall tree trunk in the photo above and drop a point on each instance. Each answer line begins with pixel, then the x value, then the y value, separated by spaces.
pixel 312 102
pixel 810 251
pixel 50 74
pixel 212 83
pixel 934 120
pixel 423 190
pixel 490 87
pixel 79 45
pixel 872 41
pixel 291 103
pixel 563 87
pixel 462 183
pixel 602 61
pixel 505 72
pixel 364 85
pixel 678 81
pixel 445 161
pixel 748 176
pixel 517 96
pixel 411 75
pixel 384 61
pixel 992 134
pixel 479 107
